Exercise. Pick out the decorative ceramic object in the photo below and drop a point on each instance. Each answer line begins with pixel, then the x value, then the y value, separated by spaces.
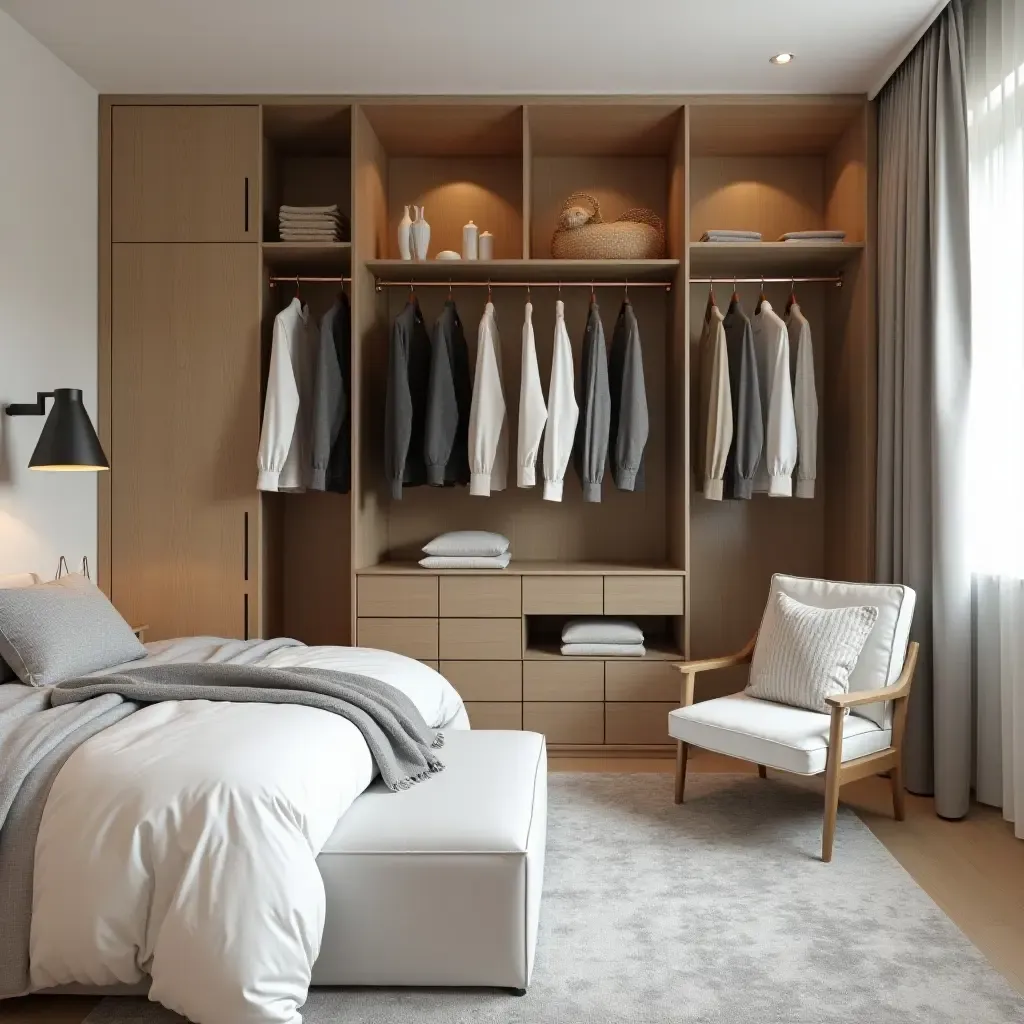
pixel 485 249
pixel 404 236
pixel 420 234
pixel 448 254
pixel 469 242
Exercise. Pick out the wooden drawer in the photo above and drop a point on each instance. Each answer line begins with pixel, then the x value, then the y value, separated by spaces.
pixel 435 665
pixel 638 722
pixel 568 680
pixel 482 597
pixel 643 595
pixel 397 596
pixel 495 714
pixel 415 638
pixel 568 722
pixel 563 595
pixel 481 639
pixel 641 680
pixel 485 680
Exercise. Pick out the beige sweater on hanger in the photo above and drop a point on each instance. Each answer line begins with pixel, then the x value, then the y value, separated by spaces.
pixel 533 413
pixel 715 426
pixel 778 457
pixel 563 411
pixel 805 400
pixel 488 418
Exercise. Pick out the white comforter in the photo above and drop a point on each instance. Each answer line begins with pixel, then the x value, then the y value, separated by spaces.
pixel 182 842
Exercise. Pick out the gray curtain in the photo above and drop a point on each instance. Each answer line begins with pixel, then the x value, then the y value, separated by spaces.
pixel 924 341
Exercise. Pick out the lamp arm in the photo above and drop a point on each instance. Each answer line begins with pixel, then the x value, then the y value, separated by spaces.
pixel 36 408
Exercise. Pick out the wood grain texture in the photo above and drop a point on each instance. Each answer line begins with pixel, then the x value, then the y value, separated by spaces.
pixel 481 639
pixel 563 595
pixel 643 595
pixel 485 680
pixel 427 129
pixel 414 598
pixel 527 567
pixel 104 327
pixel 568 680
pixel 619 128
pixel 566 721
pixel 640 680
pixel 491 714
pixel 302 180
pixel 179 174
pixel 415 638
pixel 185 356
pixel 489 597
pixel 635 722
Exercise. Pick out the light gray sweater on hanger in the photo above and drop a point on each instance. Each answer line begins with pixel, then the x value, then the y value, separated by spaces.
pixel 630 424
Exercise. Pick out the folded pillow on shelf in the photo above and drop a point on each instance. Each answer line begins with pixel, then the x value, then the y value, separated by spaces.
pixel 472 543
pixel 724 235
pixel 813 236
pixel 466 561
pixel 601 631
pixel 604 650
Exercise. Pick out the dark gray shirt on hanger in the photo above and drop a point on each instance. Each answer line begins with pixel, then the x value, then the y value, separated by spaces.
pixel 748 426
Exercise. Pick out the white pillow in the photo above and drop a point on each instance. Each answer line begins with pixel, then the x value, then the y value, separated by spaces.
pixel 477 543
pixel 18 579
pixel 805 654
pixel 601 631
pixel 466 561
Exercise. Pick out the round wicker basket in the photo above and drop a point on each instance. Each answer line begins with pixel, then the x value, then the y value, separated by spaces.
pixel 582 234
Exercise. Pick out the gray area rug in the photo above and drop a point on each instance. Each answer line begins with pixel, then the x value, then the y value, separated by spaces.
pixel 717 911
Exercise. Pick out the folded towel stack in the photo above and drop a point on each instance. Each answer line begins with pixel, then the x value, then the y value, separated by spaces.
pixel 813 236
pixel 312 224
pixel 722 235
pixel 603 638
pixel 467 549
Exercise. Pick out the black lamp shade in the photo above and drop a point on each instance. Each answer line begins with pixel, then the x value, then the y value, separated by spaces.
pixel 68 440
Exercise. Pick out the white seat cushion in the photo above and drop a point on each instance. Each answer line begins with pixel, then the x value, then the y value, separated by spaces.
pixel 881 658
pixel 790 739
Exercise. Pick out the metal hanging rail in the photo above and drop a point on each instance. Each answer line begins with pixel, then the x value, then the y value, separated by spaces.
pixel 454 283
pixel 837 280
pixel 302 279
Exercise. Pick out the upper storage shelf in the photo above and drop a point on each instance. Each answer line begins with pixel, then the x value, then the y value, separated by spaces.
pixel 771 259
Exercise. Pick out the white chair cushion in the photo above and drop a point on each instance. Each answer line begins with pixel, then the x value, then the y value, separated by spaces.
pixel 782 737
pixel 881 659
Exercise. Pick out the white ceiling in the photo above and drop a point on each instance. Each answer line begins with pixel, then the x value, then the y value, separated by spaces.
pixel 474 46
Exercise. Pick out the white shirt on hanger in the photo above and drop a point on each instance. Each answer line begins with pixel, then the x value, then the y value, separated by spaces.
pixel 563 412
pixel 488 419
pixel 533 413
pixel 771 350
pixel 716 426
pixel 805 400
pixel 285 444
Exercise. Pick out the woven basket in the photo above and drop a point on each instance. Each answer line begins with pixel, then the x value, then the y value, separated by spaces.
pixel 638 234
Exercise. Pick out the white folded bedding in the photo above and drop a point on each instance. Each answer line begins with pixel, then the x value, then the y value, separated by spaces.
pixel 601 631
pixel 466 561
pixel 604 650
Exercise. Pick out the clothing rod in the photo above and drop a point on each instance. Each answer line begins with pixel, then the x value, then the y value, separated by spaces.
pixel 301 279
pixel 381 285
pixel 728 279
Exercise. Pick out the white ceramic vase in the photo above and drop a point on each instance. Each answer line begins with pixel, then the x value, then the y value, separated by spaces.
pixel 420 234
pixel 469 241
pixel 485 247
pixel 405 236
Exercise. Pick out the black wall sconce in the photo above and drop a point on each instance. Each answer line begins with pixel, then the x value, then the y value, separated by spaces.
pixel 68 441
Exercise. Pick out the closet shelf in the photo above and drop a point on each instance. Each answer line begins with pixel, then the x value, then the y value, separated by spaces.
pixel 526 568
pixel 306 257
pixel 655 652
pixel 773 259
pixel 524 270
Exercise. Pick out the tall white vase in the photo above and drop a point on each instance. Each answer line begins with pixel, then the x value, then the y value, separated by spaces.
pixel 420 234
pixel 405 236
pixel 469 241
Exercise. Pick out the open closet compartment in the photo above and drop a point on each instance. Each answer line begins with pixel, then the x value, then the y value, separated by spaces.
pixel 776 167
pixel 306 161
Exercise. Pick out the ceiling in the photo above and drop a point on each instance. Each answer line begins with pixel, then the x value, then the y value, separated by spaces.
pixel 474 46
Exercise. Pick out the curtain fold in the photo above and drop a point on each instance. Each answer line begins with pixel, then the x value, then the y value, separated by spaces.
pixel 924 302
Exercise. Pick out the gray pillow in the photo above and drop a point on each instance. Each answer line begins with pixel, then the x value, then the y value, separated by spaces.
pixel 63 629
pixel 474 543
pixel 601 631
pixel 19 579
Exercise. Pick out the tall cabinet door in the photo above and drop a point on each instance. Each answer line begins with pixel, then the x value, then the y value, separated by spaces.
pixel 185 174
pixel 185 357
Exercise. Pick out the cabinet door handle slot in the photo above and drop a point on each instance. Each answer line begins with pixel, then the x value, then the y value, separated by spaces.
pixel 247 205
pixel 245 548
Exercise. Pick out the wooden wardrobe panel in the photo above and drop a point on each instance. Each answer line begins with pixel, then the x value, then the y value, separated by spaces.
pixel 184 433
pixel 563 595
pixel 643 595
pixel 415 597
pixel 185 174
pixel 485 680
pixel 481 639
pixel 495 714
pixel 415 638
pixel 564 680
pixel 634 679
pixel 481 597
pixel 566 722
pixel 637 723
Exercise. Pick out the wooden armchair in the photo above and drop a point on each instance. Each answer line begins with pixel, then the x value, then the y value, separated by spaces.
pixel 844 747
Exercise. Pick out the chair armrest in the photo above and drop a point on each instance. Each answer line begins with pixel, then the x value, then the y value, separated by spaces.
pixel 711 664
pixel 899 689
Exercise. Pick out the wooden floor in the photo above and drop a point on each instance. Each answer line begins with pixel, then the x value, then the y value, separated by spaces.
pixel 973 869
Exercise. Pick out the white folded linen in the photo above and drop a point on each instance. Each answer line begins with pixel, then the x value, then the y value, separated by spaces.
pixel 467 543
pixel 604 650
pixel 333 208
pixel 301 235
pixel 286 218
pixel 466 561
pixel 813 236
pixel 602 631
pixel 723 235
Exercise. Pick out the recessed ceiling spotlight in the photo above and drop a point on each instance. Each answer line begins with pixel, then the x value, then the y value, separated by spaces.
pixel 781 58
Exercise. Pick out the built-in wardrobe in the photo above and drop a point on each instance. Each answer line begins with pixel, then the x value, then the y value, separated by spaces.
pixel 193 274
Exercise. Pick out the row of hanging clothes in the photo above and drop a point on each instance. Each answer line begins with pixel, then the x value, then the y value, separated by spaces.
pixel 447 427
pixel 305 441
pixel 758 416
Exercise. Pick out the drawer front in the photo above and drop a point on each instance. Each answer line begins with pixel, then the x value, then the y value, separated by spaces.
pixel 415 638
pixel 495 714
pixel 571 680
pixel 635 722
pixel 435 665
pixel 563 595
pixel 566 722
pixel 481 639
pixel 643 595
pixel 412 597
pixel 485 597
pixel 485 680
pixel 641 680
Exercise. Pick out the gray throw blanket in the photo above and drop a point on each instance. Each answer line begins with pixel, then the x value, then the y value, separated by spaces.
pixel 41 728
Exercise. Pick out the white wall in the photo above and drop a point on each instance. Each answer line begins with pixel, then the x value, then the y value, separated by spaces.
pixel 48 289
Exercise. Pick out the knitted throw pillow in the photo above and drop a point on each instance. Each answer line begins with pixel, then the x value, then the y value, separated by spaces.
pixel 805 654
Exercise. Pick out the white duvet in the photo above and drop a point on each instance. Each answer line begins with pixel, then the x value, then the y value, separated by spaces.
pixel 181 843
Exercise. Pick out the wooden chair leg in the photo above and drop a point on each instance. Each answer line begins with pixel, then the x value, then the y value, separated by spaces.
pixel 896 781
pixel 762 771
pixel 832 767
pixel 682 749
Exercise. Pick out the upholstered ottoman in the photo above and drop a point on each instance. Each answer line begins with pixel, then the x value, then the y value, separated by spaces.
pixel 441 884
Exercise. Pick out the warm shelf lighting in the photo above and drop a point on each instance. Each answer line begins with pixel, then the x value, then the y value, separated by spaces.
pixel 781 58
